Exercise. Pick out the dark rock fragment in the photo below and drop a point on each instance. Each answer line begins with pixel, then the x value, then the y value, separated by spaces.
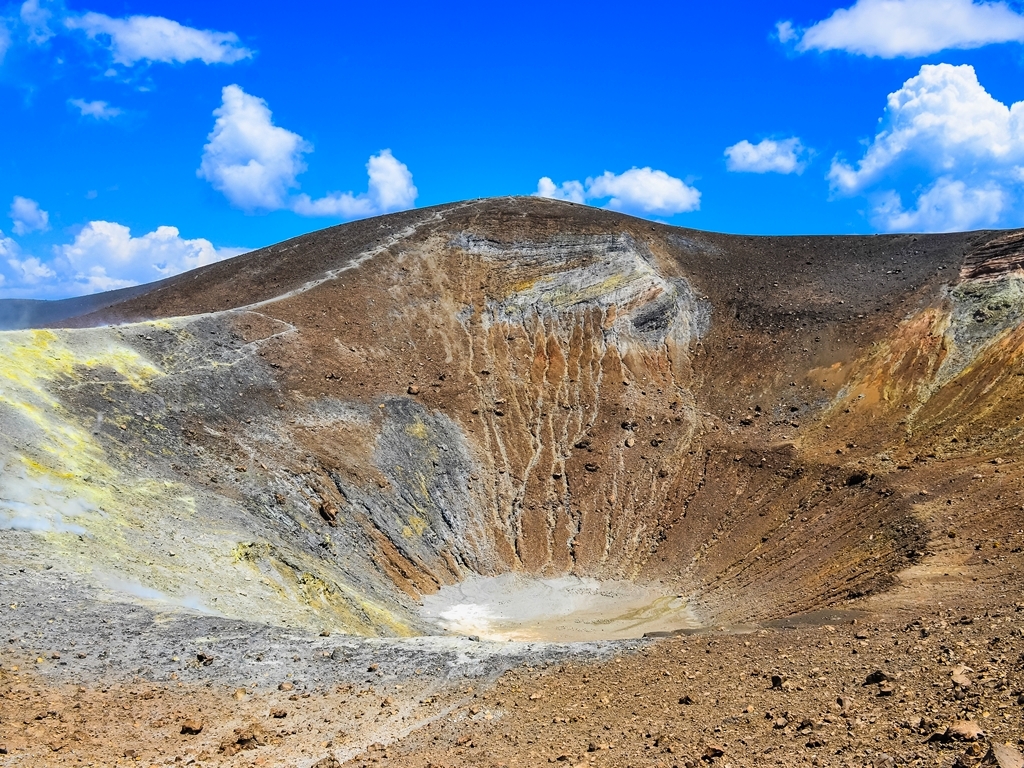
pixel 876 677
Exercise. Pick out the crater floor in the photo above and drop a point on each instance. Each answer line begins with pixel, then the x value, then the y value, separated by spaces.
pixel 564 609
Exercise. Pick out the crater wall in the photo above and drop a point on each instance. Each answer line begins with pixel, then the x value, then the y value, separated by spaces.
pixel 322 432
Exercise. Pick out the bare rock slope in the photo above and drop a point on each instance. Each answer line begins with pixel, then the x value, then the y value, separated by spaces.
pixel 320 433
pixel 364 414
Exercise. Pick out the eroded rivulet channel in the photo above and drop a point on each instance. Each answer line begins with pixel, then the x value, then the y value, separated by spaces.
pixel 515 419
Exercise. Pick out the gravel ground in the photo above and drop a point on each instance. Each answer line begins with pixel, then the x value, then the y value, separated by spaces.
pixel 938 690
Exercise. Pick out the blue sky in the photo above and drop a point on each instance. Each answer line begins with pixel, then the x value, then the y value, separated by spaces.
pixel 145 138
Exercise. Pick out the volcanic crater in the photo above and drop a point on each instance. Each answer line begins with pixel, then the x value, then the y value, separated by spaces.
pixel 442 444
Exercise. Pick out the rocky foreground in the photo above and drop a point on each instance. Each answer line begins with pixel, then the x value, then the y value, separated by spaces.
pixel 938 689
pixel 943 690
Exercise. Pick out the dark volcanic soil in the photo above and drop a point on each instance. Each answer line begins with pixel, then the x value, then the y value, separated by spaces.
pixel 253 473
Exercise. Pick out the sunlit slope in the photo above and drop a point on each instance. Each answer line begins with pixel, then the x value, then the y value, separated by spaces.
pixel 324 431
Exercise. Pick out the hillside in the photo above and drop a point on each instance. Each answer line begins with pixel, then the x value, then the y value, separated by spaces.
pixel 321 434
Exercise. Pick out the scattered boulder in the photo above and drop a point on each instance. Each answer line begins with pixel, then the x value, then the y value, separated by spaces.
pixel 960 678
pixel 191 728
pixel 247 738
pixel 1004 756
pixel 965 730
pixel 329 513
pixel 961 730
pixel 876 677
pixel 286 686
pixel 279 713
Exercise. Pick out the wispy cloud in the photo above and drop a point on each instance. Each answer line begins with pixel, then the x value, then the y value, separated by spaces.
pixel 36 18
pixel 129 40
pixel 100 110
pixel 155 38
pixel 909 28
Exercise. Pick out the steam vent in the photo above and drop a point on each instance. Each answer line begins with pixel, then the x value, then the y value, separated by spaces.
pixel 516 481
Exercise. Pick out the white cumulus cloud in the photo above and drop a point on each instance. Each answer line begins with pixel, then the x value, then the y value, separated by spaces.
pixel 26 270
pixel 572 191
pixel 155 38
pixel 944 124
pixel 28 216
pixel 942 119
pixel 638 190
pixel 31 271
pixel 8 246
pixel 249 159
pixel 390 188
pixel 948 205
pixel 9 251
pixel 767 156
pixel 892 28
pixel 104 256
pixel 101 110
pixel 254 163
